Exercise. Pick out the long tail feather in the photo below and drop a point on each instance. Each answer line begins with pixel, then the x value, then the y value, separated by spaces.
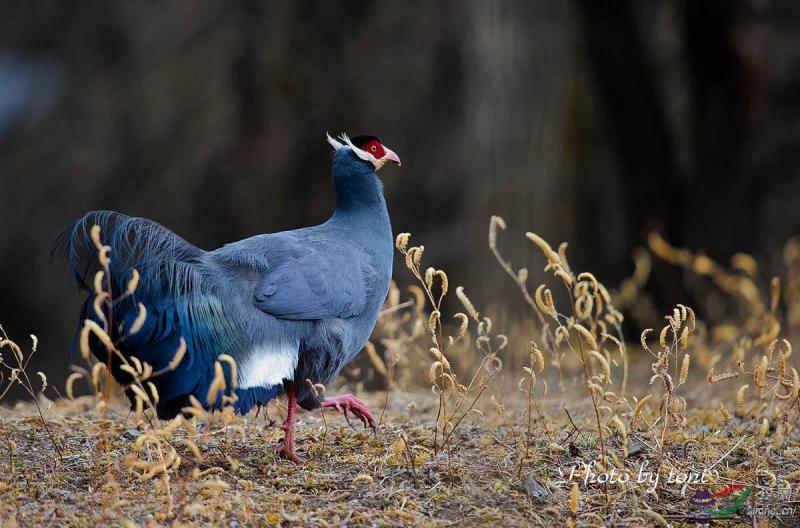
pixel 163 259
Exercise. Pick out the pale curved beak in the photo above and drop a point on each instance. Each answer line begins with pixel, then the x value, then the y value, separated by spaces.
pixel 390 156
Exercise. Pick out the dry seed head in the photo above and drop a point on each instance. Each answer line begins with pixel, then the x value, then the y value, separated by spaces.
pixel 14 349
pixel 401 242
pixel 563 275
pixel 554 261
pixel 225 358
pixel 137 365
pixel 363 478
pixel 604 363
pixel 638 410
pixel 418 255
pixel 656 518
pixel 467 303
pixel 574 496
pixel 493 365
pixel 193 448
pixel 375 358
pixel 217 385
pixel 760 374
pixel 70 386
pixel 103 256
pixel 586 276
pixel 666 378
pixel 495 222
pixel 771 334
pixel 409 260
pixel 684 338
pixel 129 369
pixel 662 338
pixel 435 371
pixel 715 378
pixel 138 323
pixel 433 319
pixel 740 411
pixel 94 233
pixel 445 284
pixel 429 277
pixel 537 359
pixel 99 299
pixel 643 338
pixel 44 381
pixel 691 320
pixel 153 391
pixel 620 427
pixel 215 484
pixel 139 392
pixel 503 342
pixel 393 298
pixel 178 357
pixel 463 324
pixel 96 371
pixel 538 298
pixel 133 282
pixel 587 336
pixel 562 254
pixel 726 414
pixel 445 363
pixel 138 410
pixel 684 369
pixel 787 348
pixel 795 384
pixel 774 294
pixel 100 333
pixel 583 307
pixel 83 341
pixel 764 429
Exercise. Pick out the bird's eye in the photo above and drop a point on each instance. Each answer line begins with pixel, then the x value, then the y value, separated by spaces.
pixel 374 148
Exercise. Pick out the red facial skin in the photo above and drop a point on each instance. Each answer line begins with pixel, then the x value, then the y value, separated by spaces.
pixel 374 147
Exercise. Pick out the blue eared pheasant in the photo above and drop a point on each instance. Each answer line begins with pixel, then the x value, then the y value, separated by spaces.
pixel 288 307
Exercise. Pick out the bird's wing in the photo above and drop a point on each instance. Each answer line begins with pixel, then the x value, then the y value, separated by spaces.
pixel 317 282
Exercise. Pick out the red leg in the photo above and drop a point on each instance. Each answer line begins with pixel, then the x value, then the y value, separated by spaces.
pixel 348 402
pixel 286 448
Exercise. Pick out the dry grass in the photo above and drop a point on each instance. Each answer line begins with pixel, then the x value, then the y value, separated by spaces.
pixel 560 420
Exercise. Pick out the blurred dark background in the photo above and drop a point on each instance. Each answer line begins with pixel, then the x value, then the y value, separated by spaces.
pixel 587 121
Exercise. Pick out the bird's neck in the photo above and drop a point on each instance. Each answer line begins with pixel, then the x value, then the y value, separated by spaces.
pixel 360 205
pixel 363 207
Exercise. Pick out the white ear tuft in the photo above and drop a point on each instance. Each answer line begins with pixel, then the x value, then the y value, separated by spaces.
pixel 335 144
pixel 363 154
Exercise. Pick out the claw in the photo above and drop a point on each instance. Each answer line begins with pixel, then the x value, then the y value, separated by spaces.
pixel 352 404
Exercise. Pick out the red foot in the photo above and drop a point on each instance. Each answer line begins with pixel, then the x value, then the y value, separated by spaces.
pixel 286 448
pixel 348 402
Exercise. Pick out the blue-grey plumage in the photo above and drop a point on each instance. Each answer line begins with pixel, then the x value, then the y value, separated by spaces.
pixel 287 306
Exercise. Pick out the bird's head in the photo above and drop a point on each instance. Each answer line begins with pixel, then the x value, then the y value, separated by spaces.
pixel 368 148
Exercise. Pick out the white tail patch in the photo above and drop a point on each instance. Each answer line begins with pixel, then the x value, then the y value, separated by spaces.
pixel 268 365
